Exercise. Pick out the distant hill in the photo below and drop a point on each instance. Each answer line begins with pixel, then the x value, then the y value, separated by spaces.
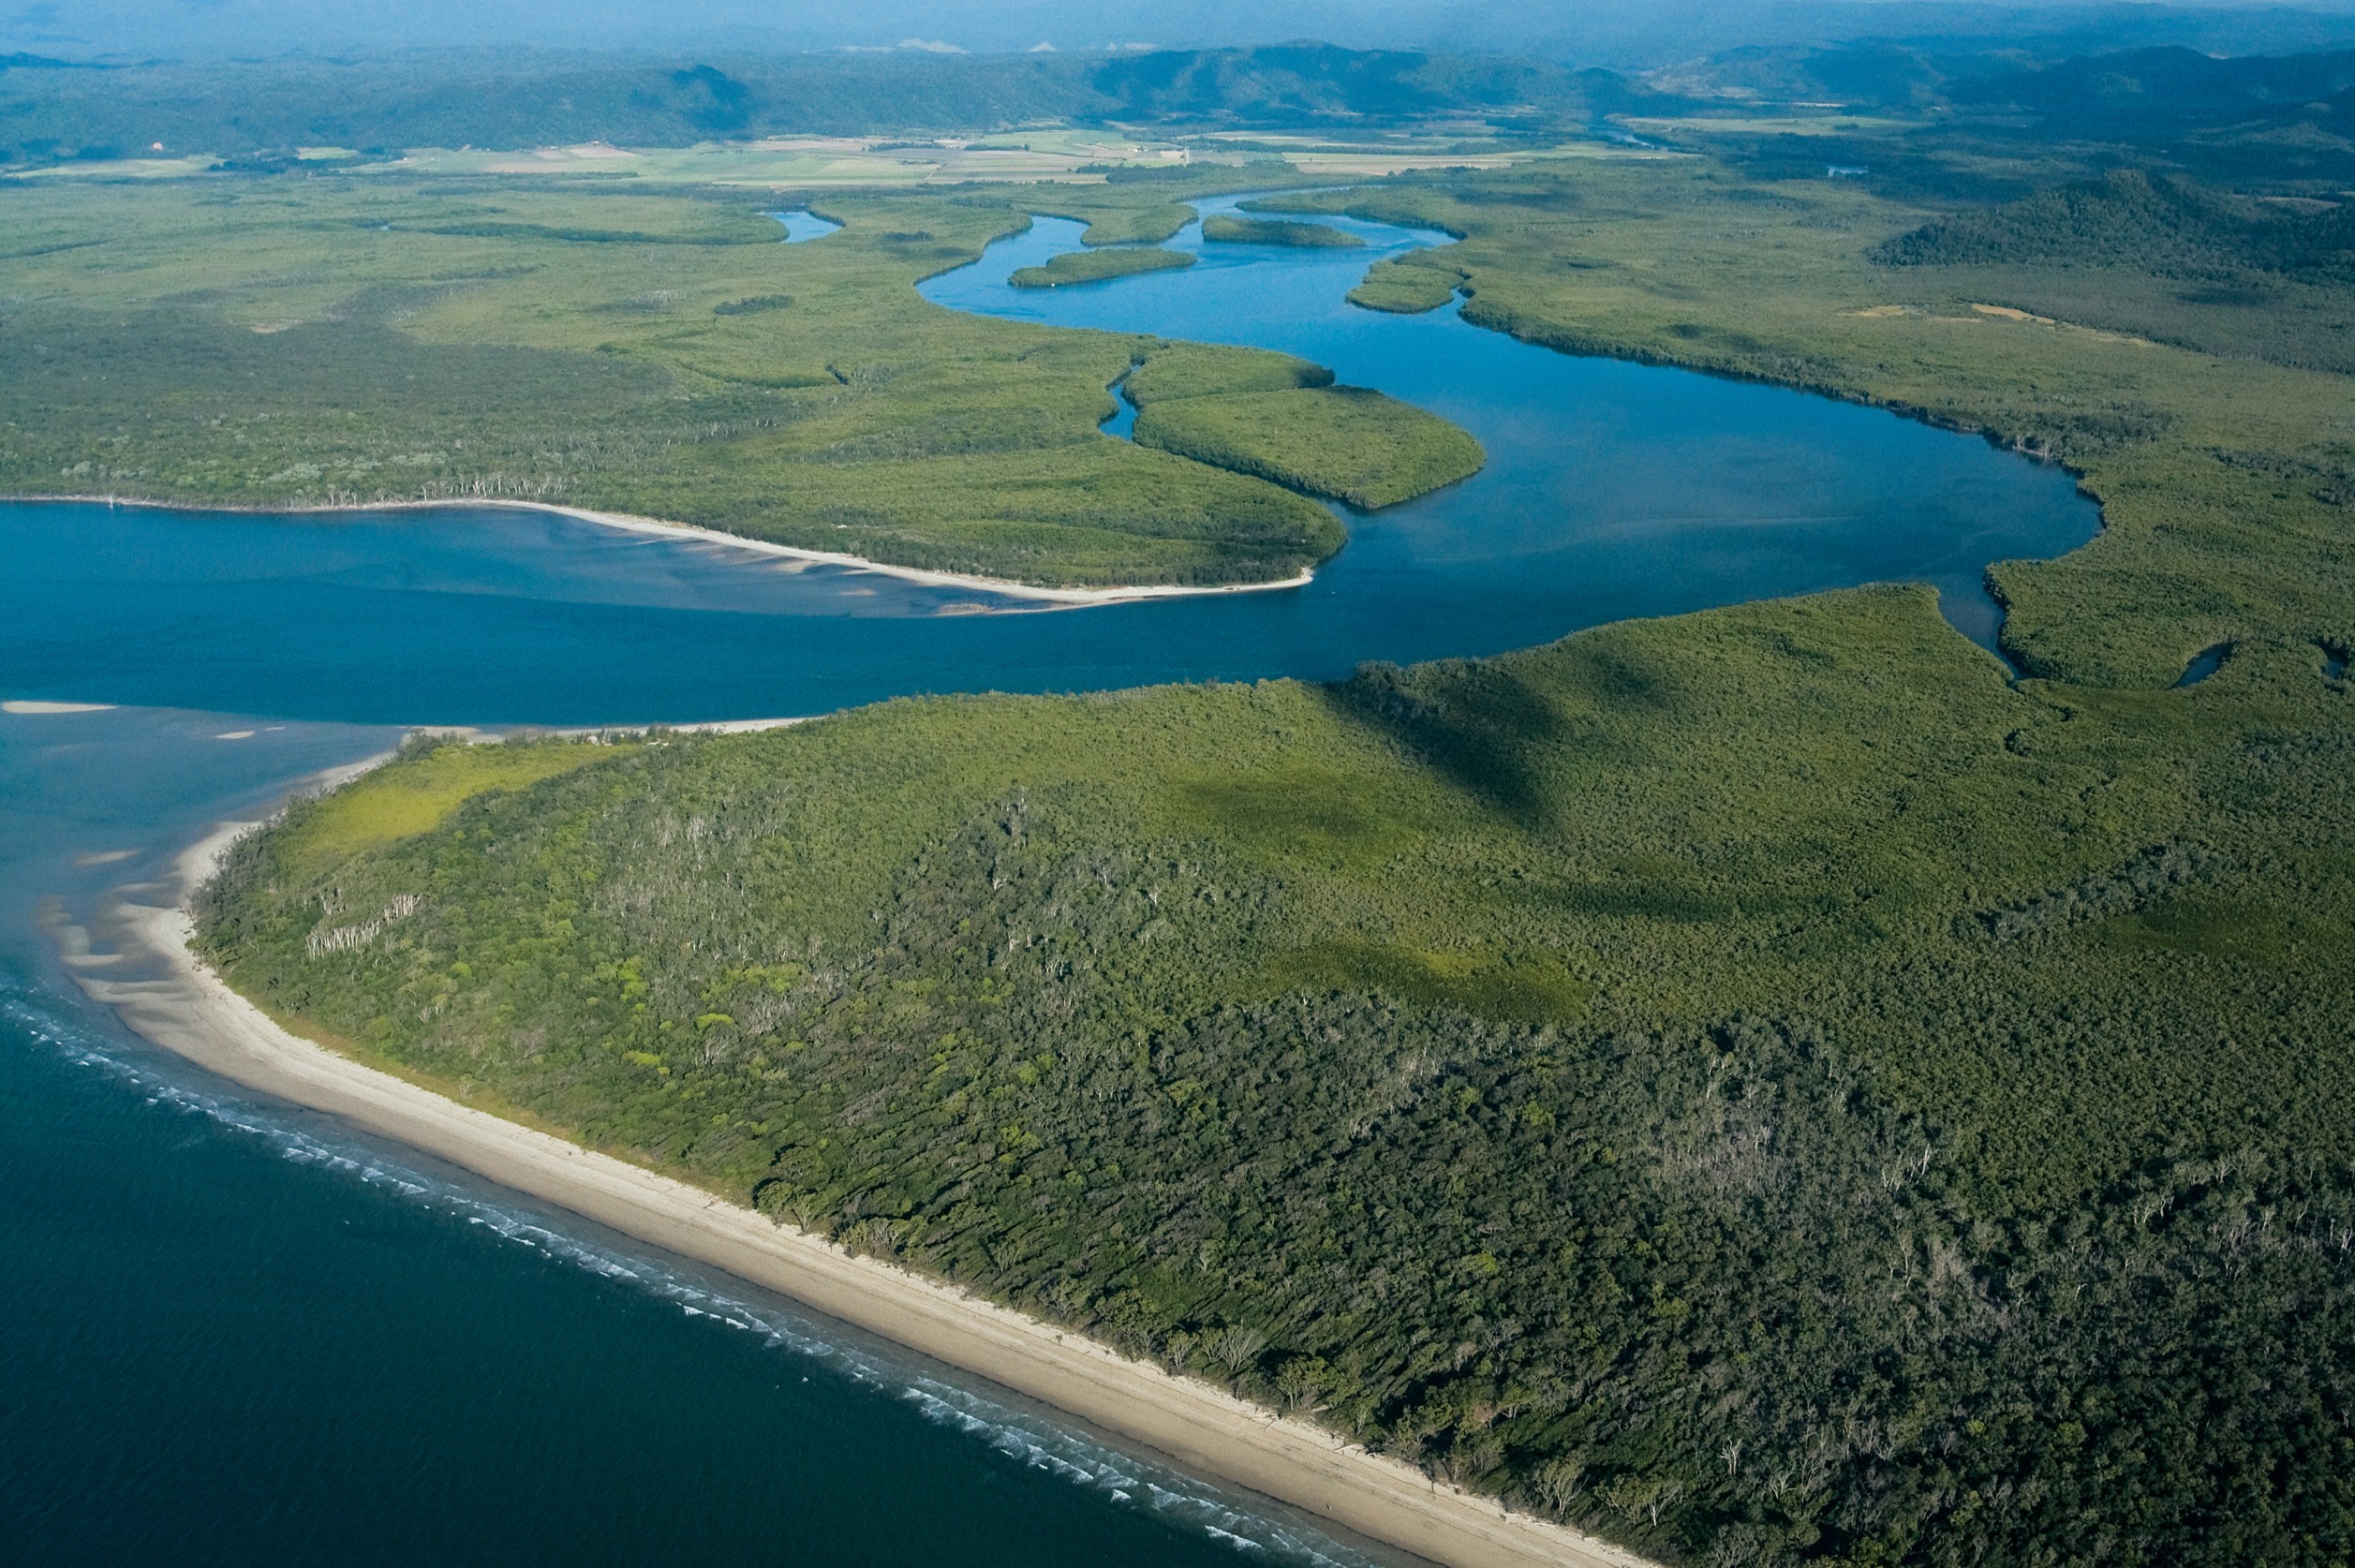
pixel 1626 34
pixel 500 99
pixel 1992 120
pixel 2128 94
pixel 1313 83
pixel 2154 223
pixel 2161 92
pixel 1874 75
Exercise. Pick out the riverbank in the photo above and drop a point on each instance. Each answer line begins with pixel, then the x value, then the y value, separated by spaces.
pixel 192 1013
pixel 658 527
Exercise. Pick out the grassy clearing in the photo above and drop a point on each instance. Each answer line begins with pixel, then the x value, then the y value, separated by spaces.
pixel 1223 228
pixel 1349 443
pixel 1100 266
pixel 417 793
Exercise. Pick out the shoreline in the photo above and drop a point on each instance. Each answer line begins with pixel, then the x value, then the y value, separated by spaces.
pixel 194 1014
pixel 1070 598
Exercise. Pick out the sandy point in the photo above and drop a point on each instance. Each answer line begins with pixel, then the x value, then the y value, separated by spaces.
pixel 191 1011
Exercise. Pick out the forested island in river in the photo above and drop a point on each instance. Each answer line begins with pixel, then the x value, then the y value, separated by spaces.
pixel 1773 1083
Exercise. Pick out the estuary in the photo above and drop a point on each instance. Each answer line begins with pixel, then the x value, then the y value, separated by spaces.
pixel 243 1332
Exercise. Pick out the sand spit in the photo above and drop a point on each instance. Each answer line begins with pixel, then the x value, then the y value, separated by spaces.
pixel 191 1012
pixel 656 528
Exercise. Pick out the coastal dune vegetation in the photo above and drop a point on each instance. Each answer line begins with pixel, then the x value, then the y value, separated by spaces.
pixel 1760 1083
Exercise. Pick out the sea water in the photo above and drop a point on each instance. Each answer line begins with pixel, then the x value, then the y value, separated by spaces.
pixel 239 1332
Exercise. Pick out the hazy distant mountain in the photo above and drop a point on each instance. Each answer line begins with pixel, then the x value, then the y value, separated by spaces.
pixel 522 99
pixel 1624 34
pixel 2144 92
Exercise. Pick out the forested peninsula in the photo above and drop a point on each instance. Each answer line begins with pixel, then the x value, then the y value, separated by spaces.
pixel 1769 1085
pixel 311 343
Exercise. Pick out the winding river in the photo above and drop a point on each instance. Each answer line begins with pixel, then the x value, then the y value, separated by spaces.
pixel 237 1332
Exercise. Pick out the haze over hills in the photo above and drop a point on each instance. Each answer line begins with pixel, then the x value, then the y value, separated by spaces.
pixel 508 99
pixel 1945 120
pixel 1633 34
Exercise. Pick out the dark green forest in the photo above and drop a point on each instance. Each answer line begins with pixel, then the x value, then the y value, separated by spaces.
pixel 1759 1087
pixel 1767 1085
pixel 2166 225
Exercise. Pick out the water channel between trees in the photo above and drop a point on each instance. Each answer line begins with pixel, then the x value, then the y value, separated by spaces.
pixel 238 1332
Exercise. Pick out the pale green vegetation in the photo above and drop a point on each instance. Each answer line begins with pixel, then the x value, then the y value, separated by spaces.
pixel 1227 230
pixel 1350 443
pixel 1283 419
pixel 390 803
pixel 1100 266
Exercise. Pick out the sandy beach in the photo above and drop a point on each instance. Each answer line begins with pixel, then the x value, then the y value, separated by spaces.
pixel 656 528
pixel 188 1010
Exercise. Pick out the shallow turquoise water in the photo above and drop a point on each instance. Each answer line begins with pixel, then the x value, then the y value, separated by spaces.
pixel 239 1333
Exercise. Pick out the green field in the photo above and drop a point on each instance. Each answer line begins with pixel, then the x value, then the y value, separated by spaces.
pixel 389 804
pixel 1765 1086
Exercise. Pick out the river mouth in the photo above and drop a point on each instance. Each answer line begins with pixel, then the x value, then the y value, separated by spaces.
pixel 172 1384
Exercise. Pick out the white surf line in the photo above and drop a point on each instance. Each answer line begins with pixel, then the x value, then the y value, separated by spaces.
pixel 657 528
pixel 193 1012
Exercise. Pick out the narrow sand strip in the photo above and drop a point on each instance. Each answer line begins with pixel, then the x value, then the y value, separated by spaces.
pixel 191 1012
pixel 1069 597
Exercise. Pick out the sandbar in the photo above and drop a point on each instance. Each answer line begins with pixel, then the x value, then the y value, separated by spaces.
pixel 1005 588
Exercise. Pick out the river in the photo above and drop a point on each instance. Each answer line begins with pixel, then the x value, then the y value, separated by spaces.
pixel 238 1332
